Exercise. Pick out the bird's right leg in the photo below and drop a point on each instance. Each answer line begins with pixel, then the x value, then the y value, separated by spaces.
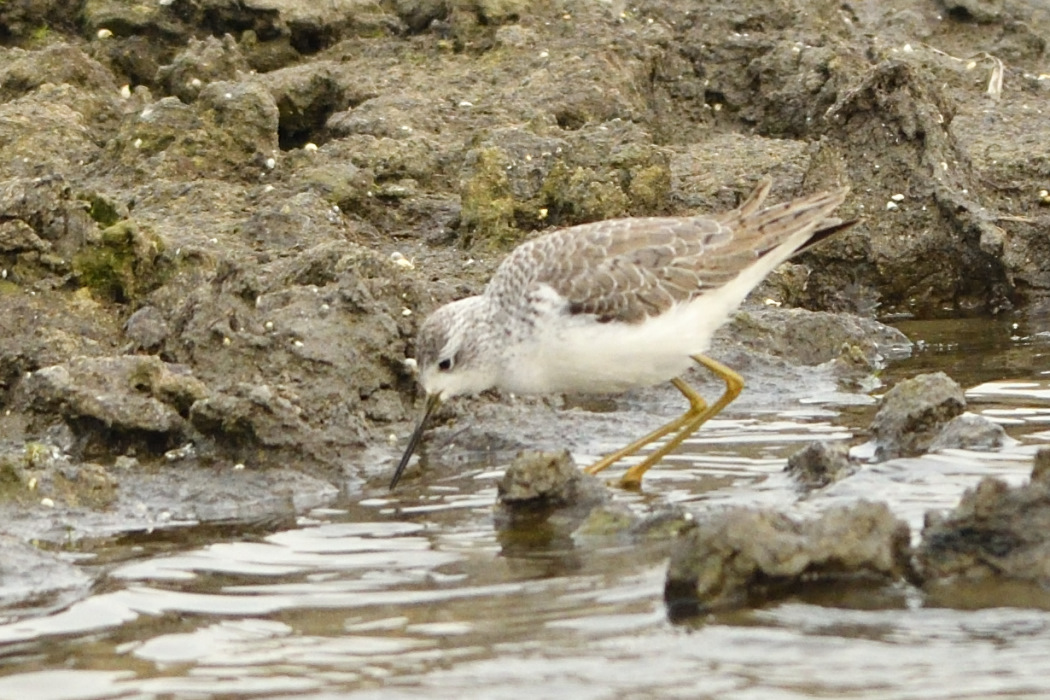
pixel 689 423
pixel 697 406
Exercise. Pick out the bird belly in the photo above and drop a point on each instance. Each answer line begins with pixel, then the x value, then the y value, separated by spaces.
pixel 577 354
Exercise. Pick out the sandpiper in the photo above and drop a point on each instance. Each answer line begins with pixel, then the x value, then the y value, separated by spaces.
pixel 614 305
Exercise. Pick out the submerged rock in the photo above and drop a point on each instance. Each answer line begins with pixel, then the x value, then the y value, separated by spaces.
pixel 913 413
pixel 543 498
pixel 35 582
pixel 617 520
pixel 743 553
pixel 820 463
pixel 970 432
pixel 996 530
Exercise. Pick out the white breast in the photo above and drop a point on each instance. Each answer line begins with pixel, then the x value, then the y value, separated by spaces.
pixel 575 354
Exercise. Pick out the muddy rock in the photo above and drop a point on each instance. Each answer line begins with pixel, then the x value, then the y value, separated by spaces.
pixel 852 103
pixel 46 226
pixel 304 220
pixel 336 308
pixel 47 133
pixel 970 432
pixel 246 114
pixel 782 351
pixel 39 332
pixel 16 236
pixel 48 495
pixel 1016 31
pixel 520 179
pixel 46 205
pixel 919 109
pixel 913 413
pixel 44 473
pixel 123 19
pixel 61 64
pixel 340 183
pixel 231 130
pixel 146 330
pixel 21 22
pixel 102 397
pixel 133 39
pixel 252 416
pixel 387 116
pixel 307 95
pixel 996 530
pixel 546 478
pixel 602 178
pixel 122 262
pixel 419 14
pixel 820 463
pixel 740 555
pixel 814 337
pixel 312 26
pixel 203 61
pixel 226 495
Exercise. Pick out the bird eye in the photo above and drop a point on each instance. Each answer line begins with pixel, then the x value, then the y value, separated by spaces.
pixel 445 365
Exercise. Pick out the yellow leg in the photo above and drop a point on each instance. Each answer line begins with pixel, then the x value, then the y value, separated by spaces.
pixel 697 406
pixel 685 425
pixel 632 478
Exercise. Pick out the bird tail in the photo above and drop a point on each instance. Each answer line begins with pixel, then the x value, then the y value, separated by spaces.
pixel 771 227
pixel 772 235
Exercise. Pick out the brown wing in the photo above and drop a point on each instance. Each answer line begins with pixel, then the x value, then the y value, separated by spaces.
pixel 627 270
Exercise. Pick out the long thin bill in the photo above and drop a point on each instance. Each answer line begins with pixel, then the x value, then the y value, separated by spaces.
pixel 433 401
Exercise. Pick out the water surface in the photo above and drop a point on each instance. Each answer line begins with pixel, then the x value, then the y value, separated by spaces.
pixel 417 593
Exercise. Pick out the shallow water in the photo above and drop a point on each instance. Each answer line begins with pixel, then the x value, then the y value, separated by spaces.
pixel 419 594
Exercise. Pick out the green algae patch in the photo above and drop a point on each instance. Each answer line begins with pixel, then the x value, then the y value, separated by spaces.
pixel 488 203
pixel 101 210
pixel 649 189
pixel 126 262
pixel 577 195
pixel 11 482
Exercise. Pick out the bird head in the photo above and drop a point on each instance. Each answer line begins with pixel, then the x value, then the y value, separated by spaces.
pixel 453 359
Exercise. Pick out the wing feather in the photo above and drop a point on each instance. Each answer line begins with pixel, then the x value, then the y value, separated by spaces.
pixel 627 270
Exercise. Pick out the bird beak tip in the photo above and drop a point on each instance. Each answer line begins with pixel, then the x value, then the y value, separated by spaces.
pixel 431 405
